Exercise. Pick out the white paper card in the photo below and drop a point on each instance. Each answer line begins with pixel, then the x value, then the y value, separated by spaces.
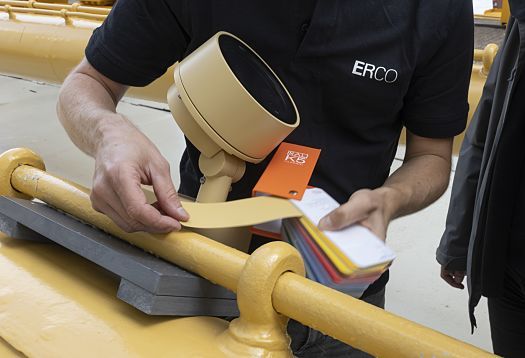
pixel 358 243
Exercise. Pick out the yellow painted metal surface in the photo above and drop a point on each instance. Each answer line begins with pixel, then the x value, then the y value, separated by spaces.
pixel 502 14
pixel 46 41
pixel 55 304
pixel 350 320
pixel 505 13
pixel 259 326
pixel 8 351
pixel 79 9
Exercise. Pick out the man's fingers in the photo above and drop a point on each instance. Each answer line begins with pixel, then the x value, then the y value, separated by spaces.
pixel 111 205
pixel 166 194
pixel 152 219
pixel 375 223
pixel 133 201
pixel 103 207
pixel 449 278
pixel 356 209
pixel 454 284
pixel 459 276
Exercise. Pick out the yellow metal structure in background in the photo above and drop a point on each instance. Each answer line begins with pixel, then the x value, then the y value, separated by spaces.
pixel 43 41
pixel 483 60
pixel 500 15
pixel 270 288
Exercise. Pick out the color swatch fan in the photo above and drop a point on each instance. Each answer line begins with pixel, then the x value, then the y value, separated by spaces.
pixel 347 260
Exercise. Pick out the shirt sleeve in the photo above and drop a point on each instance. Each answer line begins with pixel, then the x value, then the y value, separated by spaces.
pixel 436 104
pixel 138 41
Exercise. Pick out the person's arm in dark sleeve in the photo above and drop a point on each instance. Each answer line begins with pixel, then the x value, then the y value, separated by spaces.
pixel 453 248
pixel 435 110
pixel 138 41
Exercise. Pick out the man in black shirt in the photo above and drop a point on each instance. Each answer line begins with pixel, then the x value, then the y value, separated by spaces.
pixel 358 72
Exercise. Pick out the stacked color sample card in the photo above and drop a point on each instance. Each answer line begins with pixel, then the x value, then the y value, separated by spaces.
pixel 348 260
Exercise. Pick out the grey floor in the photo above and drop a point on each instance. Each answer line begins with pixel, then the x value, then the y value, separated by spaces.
pixel 484 35
pixel 415 291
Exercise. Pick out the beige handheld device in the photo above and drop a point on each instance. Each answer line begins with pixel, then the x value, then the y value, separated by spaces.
pixel 232 107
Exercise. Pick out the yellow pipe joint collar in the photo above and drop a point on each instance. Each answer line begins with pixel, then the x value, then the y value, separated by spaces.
pixel 11 160
pixel 260 330
pixel 489 53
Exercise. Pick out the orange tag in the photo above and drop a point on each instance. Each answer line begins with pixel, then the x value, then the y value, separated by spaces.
pixel 289 172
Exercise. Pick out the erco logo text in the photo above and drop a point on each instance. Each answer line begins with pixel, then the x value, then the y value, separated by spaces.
pixel 378 73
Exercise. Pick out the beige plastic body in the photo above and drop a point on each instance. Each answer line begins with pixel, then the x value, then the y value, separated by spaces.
pixel 223 108
pixel 222 119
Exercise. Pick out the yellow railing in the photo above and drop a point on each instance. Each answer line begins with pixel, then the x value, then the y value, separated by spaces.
pixel 350 320
pixel 498 15
pixel 65 14
pixel 22 6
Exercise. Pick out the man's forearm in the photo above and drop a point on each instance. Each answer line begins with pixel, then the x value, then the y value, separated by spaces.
pixel 87 110
pixel 420 181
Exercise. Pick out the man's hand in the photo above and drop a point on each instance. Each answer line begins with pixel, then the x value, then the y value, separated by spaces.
pixel 421 179
pixel 453 278
pixel 365 207
pixel 124 159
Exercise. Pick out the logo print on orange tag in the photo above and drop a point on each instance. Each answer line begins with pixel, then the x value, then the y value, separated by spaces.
pixel 288 173
pixel 296 157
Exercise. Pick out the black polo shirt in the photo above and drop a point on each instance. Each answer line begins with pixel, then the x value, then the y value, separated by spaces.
pixel 358 71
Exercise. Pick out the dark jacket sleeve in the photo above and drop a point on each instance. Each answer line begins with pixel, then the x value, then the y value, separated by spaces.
pixel 453 248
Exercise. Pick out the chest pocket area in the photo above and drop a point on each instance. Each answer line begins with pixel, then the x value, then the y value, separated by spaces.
pixel 365 65
pixel 362 93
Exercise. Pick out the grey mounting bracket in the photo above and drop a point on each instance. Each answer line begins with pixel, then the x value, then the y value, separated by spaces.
pixel 148 283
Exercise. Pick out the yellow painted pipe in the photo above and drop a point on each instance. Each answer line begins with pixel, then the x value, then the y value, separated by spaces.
pixel 190 250
pixel 46 41
pixel 65 14
pixel 352 321
pixel 76 7
pixel 486 57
